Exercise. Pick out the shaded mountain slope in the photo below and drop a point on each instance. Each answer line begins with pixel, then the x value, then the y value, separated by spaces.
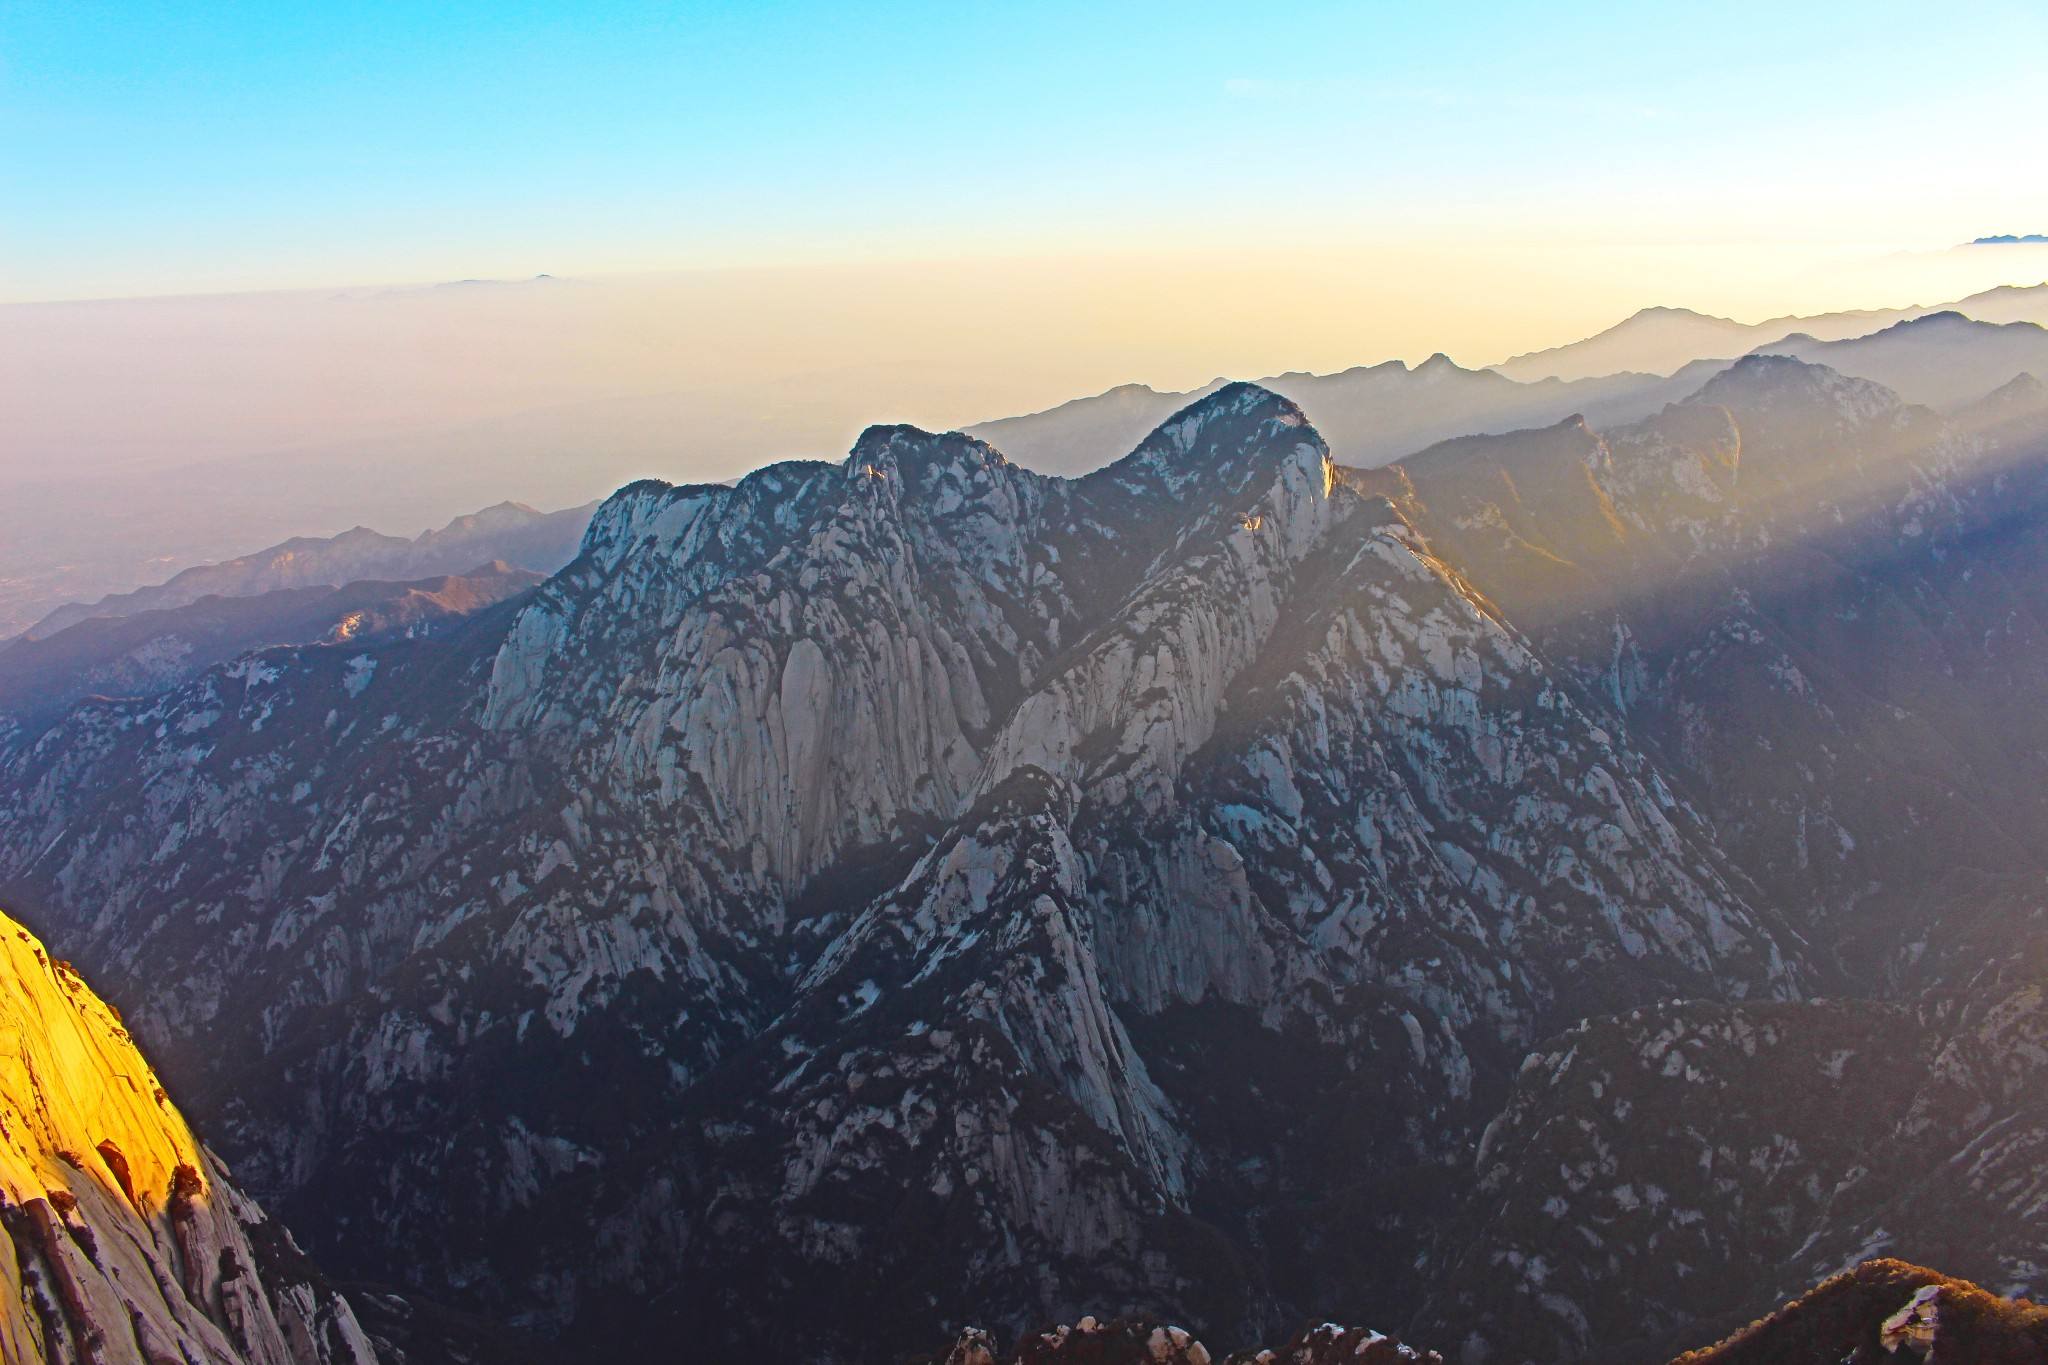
pixel 541 542
pixel 1814 603
pixel 905 816
pixel 152 651
pixel 882 895
pixel 1739 1153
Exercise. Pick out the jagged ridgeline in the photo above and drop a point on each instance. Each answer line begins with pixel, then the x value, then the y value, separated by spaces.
pixel 128 1240
pixel 880 896
pixel 1880 1313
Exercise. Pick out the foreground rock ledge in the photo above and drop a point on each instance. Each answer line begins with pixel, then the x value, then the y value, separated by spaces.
pixel 121 1238
pixel 1138 1341
pixel 1884 1312
pixel 1887 1311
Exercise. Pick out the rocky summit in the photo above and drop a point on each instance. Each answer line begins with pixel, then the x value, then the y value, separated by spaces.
pixel 1555 897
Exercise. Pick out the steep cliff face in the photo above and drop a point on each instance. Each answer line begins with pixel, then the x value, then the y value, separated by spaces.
pixel 905 820
pixel 877 896
pixel 129 1243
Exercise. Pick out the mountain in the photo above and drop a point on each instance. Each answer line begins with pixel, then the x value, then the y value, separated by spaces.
pixel 516 534
pixel 1883 1311
pixel 1376 413
pixel 1232 887
pixel 1662 340
pixel 1832 667
pixel 1086 433
pixel 1832 1131
pixel 153 650
pixel 129 1240
pixel 921 820
pixel 1879 1312
pixel 2006 303
pixel 1812 599
pixel 2015 407
pixel 1651 341
pixel 1943 359
pixel 1369 415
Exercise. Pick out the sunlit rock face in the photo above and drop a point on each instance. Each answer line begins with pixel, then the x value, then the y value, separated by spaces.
pixel 128 1241
pixel 1887 1310
pixel 880 896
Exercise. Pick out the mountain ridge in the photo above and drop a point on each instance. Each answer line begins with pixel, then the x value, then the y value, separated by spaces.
pixel 1661 339
pixel 1863 1316
pixel 846 879
pixel 1370 414
pixel 509 531
pixel 1943 359
pixel 154 649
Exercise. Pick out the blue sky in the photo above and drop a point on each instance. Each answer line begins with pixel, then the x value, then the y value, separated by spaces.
pixel 172 147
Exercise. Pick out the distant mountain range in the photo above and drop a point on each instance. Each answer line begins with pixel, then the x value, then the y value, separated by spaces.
pixel 510 532
pixel 1372 414
pixel 1551 868
pixel 1660 340
pixel 1369 414
pixel 1944 360
pixel 154 649
pixel 67 542
pixel 1557 896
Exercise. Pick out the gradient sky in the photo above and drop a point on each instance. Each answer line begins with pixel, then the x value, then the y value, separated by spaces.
pixel 159 148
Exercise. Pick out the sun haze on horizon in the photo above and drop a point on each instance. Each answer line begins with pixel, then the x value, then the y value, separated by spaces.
pixel 801 221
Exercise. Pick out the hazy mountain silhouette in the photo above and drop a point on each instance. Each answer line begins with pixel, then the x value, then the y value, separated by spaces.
pixel 1369 414
pixel 1660 340
pixel 1942 359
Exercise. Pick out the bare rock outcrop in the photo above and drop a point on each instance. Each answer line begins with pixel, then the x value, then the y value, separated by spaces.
pixel 129 1243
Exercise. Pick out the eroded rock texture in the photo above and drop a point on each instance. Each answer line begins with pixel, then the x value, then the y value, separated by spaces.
pixel 128 1241
pixel 880 896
